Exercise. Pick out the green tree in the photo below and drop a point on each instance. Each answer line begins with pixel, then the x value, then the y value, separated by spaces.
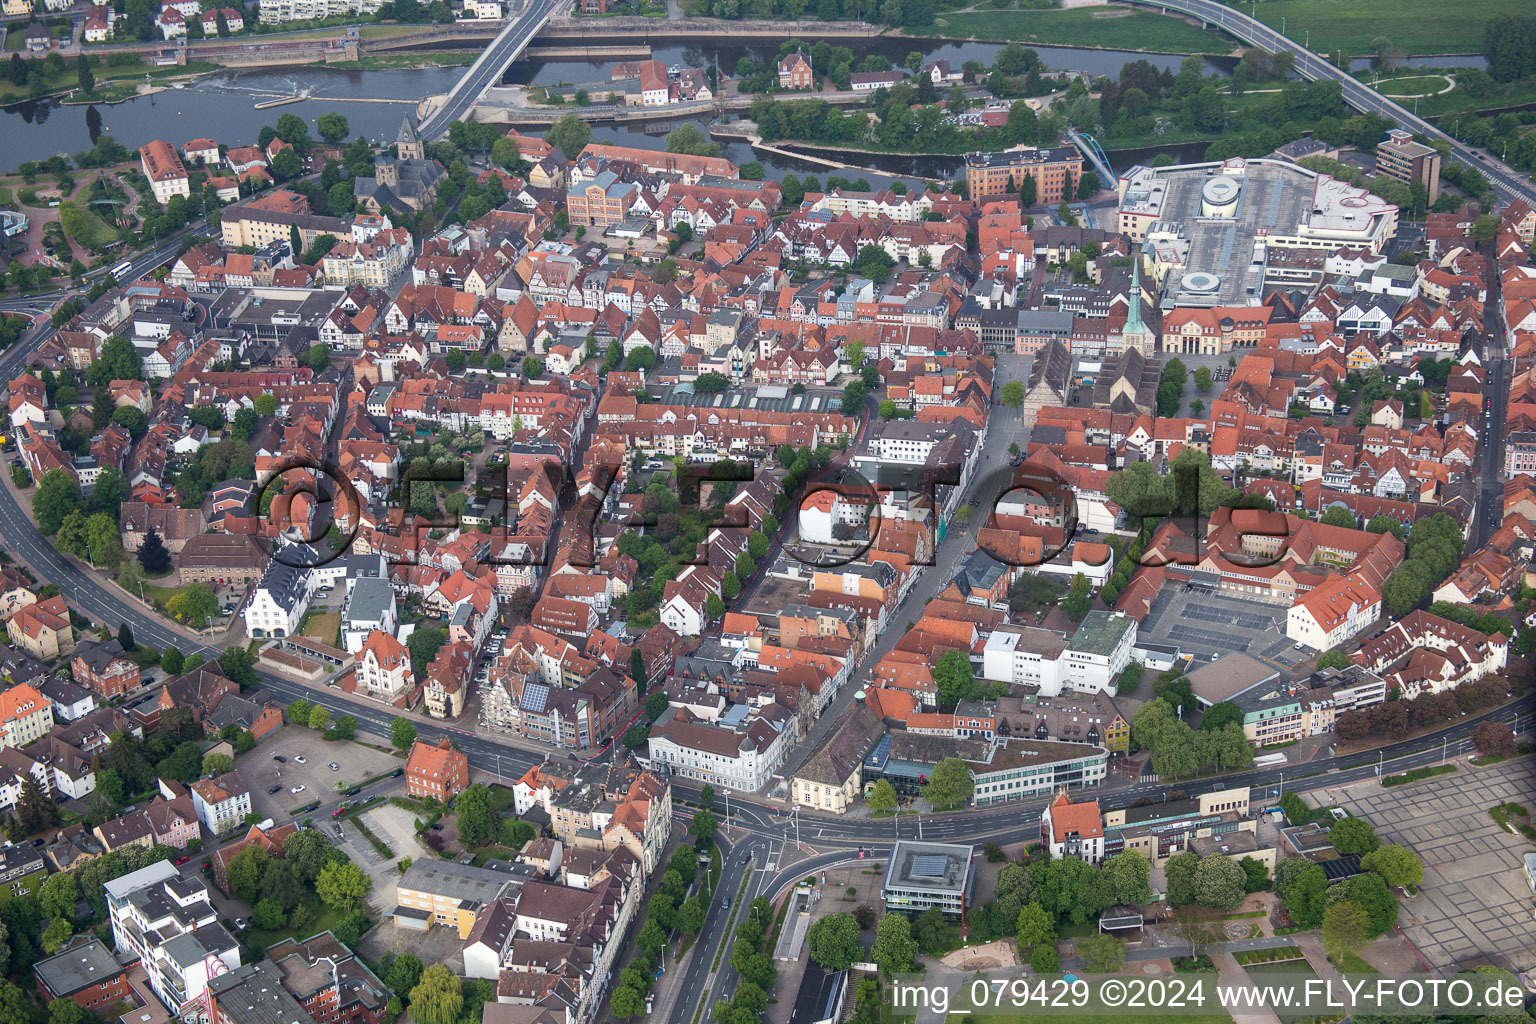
pixel 1179 871
pixel 1338 515
pixel 703 826
pixel 882 796
pixel 951 784
pixel 894 951
pixel 1221 714
pixel 56 934
pixel 244 871
pixel 319 718
pixel 239 666
pixel 690 916
pixel 1346 927
pixel 1303 891
pixel 1101 953
pixel 834 942
pixel 404 974
pixel 1333 659
pixel 1079 598
pixel 1353 836
pixel 195 603
pixel 477 821
pixel 58 894
pixel 268 914
pixel 265 404
pixel 217 764
pixel 1034 926
pixel 342 885
pixel 344 729
pixel 1013 394
pixel 955 679
pixel 570 133
pixel 438 997
pixel 1203 379
pixel 1220 883
pixel 57 496
pixel 333 127
pixel 402 734
pixel 1398 866
pixel 1127 877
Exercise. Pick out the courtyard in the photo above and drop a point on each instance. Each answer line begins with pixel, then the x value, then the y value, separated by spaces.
pixel 1205 623
pixel 1473 906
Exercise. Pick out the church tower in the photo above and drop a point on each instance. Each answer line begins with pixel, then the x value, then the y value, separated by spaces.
pixel 1134 334
pixel 408 143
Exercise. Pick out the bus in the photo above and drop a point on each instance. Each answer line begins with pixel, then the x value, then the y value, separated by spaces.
pixel 1269 760
pixel 121 271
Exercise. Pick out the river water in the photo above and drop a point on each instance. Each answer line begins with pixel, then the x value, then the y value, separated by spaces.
pixel 222 105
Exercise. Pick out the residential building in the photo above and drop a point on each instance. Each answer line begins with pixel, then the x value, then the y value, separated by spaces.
pixel 384 670
pixel 795 71
pixel 43 629
pixel 922 876
pixel 1070 829
pixel 222 802
pixel 447 893
pixel 165 921
pixel 25 716
pixel 333 985
pixel 1398 156
pixel 103 666
pixel 437 771
pixel 1159 830
pixel 164 169
pixel 86 973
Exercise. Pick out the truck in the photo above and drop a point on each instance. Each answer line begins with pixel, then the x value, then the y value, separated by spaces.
pixel 1269 760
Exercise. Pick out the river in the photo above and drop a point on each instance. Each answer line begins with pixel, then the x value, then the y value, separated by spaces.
pixel 222 104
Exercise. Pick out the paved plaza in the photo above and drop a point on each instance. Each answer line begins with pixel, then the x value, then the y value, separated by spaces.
pixel 1474 905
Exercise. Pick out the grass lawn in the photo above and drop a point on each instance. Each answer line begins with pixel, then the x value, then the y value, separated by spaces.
pixel 161 594
pixel 323 919
pixel 388 61
pixel 322 626
pixel 97 233
pixel 501 798
pixel 1353 963
pixel 494 853
pixel 1414 86
pixel 1414 26
pixel 1087 26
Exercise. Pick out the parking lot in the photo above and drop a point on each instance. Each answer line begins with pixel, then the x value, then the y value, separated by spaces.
pixel 1473 905
pixel 1204 622
pixel 354 762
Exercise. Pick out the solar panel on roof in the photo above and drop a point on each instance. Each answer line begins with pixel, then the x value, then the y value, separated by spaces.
pixel 929 865
pixel 535 697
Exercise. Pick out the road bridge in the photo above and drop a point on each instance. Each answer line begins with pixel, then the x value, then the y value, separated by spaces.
pixel 1506 184
pixel 1094 154
pixel 487 70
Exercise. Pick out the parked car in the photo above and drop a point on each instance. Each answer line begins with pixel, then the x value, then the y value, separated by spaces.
pixel 397 773
pixel 279 758
pixel 276 789
pixel 183 858
pixel 301 759
pixel 437 828
pixel 297 789
pixel 239 924
pixel 354 791
pixel 333 766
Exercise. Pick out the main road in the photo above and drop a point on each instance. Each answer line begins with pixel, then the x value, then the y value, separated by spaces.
pixel 488 68
pixel 1358 95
